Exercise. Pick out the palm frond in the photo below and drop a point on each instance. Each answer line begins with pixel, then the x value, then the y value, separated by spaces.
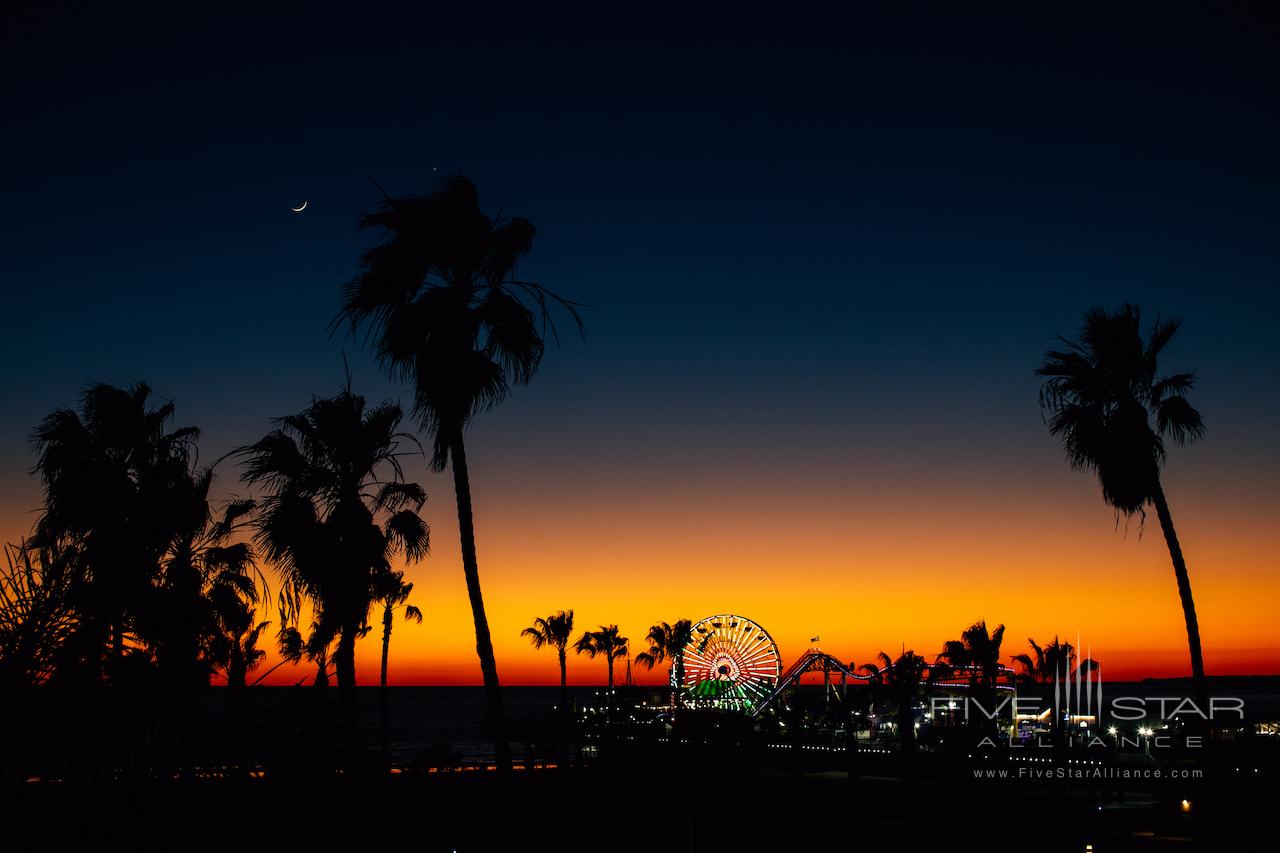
pixel 394 496
pixel 586 644
pixel 1100 395
pixel 440 304
pixel 409 534
pixel 538 633
pixel 1178 419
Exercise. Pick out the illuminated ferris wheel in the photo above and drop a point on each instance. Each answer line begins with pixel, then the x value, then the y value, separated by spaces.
pixel 729 662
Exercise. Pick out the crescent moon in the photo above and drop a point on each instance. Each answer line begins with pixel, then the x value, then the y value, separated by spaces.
pixel 299 209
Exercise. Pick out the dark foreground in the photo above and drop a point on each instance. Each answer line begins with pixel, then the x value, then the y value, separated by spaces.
pixel 660 806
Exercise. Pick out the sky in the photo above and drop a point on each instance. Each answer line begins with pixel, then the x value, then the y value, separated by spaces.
pixel 821 254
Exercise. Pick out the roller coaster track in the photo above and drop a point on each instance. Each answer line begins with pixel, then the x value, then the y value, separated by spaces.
pixel 816 660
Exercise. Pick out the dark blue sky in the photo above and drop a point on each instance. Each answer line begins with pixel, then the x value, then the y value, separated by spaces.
pixel 796 234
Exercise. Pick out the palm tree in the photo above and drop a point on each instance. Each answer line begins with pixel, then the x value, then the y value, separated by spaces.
pixel 232 595
pixel 316 647
pixel 1105 399
pixel 1053 663
pixel 899 682
pixel 394 594
pixel 234 652
pixel 337 511
pixel 237 649
pixel 114 478
pixel 608 642
pixel 446 311
pixel 207 583
pixel 668 642
pixel 207 576
pixel 36 614
pixel 977 655
pixel 119 491
pixel 555 631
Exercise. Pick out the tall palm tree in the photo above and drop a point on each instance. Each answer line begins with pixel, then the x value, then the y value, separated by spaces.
pixel 393 594
pixel 555 630
pixel 338 509
pixel 976 655
pixel 899 682
pixel 119 489
pixel 208 578
pixel 668 642
pixel 441 300
pixel 114 477
pixel 608 642
pixel 1104 397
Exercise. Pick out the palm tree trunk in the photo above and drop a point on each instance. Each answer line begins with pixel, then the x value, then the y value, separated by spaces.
pixel 234 707
pixel 564 686
pixel 345 664
pixel 563 718
pixel 608 705
pixel 907 728
pixel 382 693
pixel 484 644
pixel 322 672
pixel 1184 593
pixel 113 668
pixel 117 651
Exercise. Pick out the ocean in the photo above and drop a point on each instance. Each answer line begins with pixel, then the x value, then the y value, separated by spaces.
pixel 440 724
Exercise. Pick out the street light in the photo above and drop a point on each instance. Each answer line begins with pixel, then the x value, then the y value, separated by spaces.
pixel 1146 733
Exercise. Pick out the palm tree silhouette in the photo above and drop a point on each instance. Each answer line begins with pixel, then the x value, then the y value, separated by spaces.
pixel 316 647
pixel 114 480
pixel 977 655
pixel 1054 661
pixel 1101 395
pixel 555 631
pixel 232 595
pixel 899 682
pixel 608 642
pixel 667 642
pixel 37 618
pixel 120 491
pixel 234 653
pixel 1050 663
pixel 205 607
pixel 446 311
pixel 337 511
pixel 393 594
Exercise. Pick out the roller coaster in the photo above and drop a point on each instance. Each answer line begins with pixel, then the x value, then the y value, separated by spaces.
pixel 731 662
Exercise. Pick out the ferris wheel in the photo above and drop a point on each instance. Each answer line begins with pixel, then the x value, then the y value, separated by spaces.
pixel 729 662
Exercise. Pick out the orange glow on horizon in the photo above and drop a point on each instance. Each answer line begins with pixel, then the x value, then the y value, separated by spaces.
pixel 863 577
pixel 872 560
